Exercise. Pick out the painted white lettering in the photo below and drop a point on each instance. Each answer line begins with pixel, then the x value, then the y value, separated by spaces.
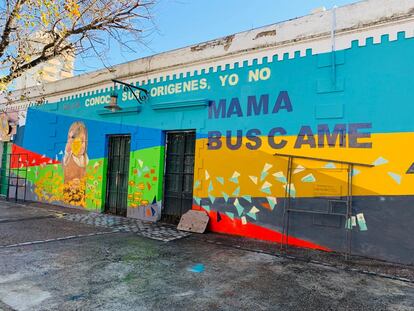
pixel 223 80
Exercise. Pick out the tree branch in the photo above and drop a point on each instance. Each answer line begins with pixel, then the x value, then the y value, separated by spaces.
pixel 37 31
pixel 5 37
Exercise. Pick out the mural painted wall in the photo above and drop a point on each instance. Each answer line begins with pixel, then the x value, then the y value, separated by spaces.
pixel 75 160
pixel 361 112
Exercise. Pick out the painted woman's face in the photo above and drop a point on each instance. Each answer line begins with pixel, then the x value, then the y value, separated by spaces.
pixel 76 142
pixel 76 146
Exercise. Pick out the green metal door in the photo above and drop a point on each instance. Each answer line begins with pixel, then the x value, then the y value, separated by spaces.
pixel 4 176
pixel 179 175
pixel 117 174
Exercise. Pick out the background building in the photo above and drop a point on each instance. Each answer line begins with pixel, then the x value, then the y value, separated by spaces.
pixel 58 68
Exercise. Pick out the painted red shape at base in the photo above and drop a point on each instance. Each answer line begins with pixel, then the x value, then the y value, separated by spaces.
pixel 32 159
pixel 266 205
pixel 250 230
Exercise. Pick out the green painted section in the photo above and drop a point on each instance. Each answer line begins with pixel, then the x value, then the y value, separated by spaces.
pixel 49 184
pixel 95 184
pixel 146 170
pixel 47 181
pixel 144 182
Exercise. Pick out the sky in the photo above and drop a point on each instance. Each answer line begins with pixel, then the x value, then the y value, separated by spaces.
pixel 179 23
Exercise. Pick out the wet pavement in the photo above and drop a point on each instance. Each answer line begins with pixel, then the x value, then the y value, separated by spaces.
pixel 76 266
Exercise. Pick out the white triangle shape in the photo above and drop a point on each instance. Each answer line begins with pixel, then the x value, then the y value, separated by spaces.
pixel 266 185
pixel 267 167
pixel 235 174
pixel 298 169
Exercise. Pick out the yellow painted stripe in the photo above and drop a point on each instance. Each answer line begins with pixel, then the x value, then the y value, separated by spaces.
pixel 383 179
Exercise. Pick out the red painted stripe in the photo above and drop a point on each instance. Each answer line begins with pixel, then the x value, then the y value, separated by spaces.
pixel 22 157
pixel 250 230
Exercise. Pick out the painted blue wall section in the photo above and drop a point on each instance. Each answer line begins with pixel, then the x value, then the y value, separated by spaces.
pixel 369 88
pixel 57 126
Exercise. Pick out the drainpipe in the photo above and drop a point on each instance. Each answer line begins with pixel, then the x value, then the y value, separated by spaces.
pixel 333 45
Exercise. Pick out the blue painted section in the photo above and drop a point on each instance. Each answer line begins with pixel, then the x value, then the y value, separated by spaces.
pixel 18 138
pixel 384 100
pixel 333 111
pixel 46 133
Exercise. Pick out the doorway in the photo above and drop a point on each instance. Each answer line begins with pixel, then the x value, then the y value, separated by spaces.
pixel 4 166
pixel 117 174
pixel 179 175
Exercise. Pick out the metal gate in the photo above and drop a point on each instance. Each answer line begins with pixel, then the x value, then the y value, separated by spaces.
pixel 338 207
pixel 179 175
pixel 117 174
pixel 13 174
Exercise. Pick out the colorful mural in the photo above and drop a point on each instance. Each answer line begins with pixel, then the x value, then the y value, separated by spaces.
pixel 243 116
pixel 74 164
pixel 145 191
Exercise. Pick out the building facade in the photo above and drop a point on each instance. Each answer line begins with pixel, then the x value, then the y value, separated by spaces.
pixel 300 129
pixel 57 68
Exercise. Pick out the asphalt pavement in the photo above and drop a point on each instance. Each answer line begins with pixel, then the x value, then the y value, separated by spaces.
pixel 50 263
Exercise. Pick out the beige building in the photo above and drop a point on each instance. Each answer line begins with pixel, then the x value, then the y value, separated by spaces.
pixel 53 70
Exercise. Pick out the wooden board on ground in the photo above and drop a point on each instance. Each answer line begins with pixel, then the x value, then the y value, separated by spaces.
pixel 193 221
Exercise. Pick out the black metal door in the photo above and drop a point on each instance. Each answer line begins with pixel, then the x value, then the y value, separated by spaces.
pixel 117 174
pixel 179 175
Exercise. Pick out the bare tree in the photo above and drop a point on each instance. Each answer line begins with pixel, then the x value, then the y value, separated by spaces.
pixel 34 31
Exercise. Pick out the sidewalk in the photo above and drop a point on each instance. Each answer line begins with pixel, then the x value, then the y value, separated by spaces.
pixel 166 233
pixel 157 231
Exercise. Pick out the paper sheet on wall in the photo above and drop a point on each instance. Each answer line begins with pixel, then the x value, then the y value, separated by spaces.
pixel 361 222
